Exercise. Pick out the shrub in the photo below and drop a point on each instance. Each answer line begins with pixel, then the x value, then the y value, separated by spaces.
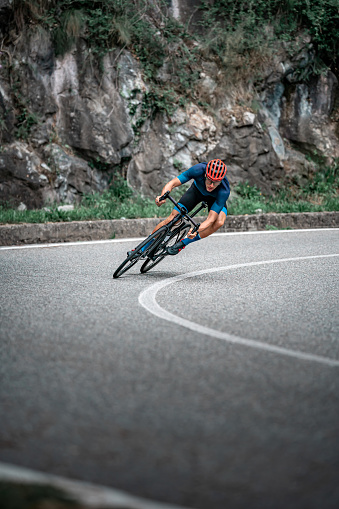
pixel 320 18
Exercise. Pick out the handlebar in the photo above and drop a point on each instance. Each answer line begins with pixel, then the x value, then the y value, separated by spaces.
pixel 183 210
pixel 164 196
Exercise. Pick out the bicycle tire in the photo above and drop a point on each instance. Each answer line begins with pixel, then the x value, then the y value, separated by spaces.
pixel 137 254
pixel 179 232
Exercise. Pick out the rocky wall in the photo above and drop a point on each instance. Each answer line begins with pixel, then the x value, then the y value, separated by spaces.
pixel 77 123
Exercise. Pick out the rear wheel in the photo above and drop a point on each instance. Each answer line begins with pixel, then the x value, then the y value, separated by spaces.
pixel 158 254
pixel 137 253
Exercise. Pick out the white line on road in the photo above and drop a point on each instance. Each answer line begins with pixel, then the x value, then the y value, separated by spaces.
pixel 68 244
pixel 135 239
pixel 147 299
pixel 84 493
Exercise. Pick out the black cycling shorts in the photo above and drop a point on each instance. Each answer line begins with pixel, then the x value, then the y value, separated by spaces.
pixel 193 197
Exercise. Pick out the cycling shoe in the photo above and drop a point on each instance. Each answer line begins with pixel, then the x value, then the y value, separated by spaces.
pixel 175 249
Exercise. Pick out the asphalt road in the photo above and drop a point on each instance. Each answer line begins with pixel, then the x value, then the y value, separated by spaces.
pixel 215 391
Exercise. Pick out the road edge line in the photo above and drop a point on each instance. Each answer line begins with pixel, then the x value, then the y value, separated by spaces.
pixel 89 494
pixel 137 239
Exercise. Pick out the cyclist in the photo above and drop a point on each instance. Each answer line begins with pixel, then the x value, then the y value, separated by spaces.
pixel 210 185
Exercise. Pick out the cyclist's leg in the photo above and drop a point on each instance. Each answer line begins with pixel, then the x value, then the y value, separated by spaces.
pixel 172 215
pixel 189 200
pixel 167 220
pixel 209 200
pixel 218 223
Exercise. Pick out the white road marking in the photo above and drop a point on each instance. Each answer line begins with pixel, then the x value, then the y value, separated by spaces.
pixel 86 494
pixel 258 232
pixel 147 299
pixel 139 239
pixel 67 244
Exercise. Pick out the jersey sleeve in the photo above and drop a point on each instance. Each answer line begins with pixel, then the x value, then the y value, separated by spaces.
pixel 221 199
pixel 193 172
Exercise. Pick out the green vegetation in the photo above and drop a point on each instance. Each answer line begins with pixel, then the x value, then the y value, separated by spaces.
pixel 117 202
pixel 240 35
pixel 153 101
pixel 242 32
pixel 142 26
pixel 317 194
pixel 25 121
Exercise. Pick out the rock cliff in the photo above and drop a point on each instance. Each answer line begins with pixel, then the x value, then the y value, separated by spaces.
pixel 68 124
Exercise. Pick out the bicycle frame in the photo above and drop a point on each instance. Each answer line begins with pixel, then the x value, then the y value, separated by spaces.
pixel 157 250
pixel 183 214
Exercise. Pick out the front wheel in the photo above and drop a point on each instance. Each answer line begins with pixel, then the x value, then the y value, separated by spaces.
pixel 177 234
pixel 126 264
pixel 138 253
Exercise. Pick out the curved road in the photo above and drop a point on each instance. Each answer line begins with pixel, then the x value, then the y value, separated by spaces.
pixel 211 382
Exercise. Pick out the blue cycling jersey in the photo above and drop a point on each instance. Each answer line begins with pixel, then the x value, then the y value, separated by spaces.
pixel 221 193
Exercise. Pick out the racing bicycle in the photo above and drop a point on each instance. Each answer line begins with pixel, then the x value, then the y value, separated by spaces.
pixel 158 242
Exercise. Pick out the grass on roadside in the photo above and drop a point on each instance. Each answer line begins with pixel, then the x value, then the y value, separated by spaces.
pixel 317 194
pixel 117 202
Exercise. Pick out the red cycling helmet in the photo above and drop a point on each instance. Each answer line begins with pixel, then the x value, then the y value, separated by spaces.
pixel 216 169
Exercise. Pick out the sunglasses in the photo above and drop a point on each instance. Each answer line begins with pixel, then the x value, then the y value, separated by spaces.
pixel 212 181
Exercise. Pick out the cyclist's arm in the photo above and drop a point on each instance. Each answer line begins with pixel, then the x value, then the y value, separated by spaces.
pixel 168 187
